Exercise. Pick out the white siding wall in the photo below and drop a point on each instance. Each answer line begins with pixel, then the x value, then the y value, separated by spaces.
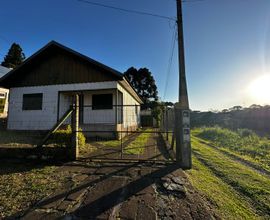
pixel 46 118
pixel 106 116
pixel 64 104
pixel 130 116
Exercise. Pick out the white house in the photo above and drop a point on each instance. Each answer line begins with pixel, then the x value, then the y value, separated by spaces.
pixel 42 89
pixel 3 94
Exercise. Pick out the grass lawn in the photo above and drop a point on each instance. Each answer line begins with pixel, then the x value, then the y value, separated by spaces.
pixel 238 191
pixel 242 143
pixel 19 138
pixel 138 145
pixel 23 184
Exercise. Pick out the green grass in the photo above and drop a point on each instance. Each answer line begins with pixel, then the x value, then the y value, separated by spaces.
pixel 228 203
pixel 112 143
pixel 23 184
pixel 242 143
pixel 232 186
pixel 19 138
pixel 138 145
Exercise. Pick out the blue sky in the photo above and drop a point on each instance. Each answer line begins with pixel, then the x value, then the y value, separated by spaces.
pixel 227 42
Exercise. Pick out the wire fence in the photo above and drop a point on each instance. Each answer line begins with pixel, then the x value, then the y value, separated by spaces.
pixel 127 132
pixel 112 132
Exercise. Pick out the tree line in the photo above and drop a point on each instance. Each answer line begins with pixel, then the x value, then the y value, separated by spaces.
pixel 255 117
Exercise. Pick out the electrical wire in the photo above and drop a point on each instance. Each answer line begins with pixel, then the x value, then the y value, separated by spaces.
pixel 174 38
pixel 128 10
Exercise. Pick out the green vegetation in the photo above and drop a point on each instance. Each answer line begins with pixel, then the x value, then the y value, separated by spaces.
pixel 2 105
pixel 19 138
pixel 242 143
pixel 23 184
pixel 63 137
pixel 14 57
pixel 112 143
pixel 228 202
pixel 255 117
pixel 236 190
pixel 138 145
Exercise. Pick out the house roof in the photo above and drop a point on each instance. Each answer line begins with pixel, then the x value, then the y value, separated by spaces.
pixel 58 45
pixel 3 71
pixel 18 74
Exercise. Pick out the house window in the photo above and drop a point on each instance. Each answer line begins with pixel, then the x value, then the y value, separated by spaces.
pixel 32 101
pixel 2 95
pixel 102 101
pixel 2 102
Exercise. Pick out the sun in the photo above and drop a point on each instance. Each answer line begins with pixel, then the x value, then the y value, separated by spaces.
pixel 259 89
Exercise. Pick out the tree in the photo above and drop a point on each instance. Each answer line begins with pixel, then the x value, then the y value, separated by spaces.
pixel 236 108
pixel 144 84
pixel 14 57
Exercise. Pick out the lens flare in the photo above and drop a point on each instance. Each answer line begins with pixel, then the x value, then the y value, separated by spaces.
pixel 259 89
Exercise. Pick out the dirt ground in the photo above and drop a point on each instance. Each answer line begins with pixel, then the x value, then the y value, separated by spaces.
pixel 124 190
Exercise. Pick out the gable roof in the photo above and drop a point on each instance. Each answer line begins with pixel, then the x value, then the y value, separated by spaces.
pixel 12 78
pixel 54 44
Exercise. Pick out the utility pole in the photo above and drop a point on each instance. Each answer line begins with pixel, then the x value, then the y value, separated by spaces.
pixel 182 111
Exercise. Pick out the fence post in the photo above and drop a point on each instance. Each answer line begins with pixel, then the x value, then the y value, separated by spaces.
pixel 75 128
pixel 167 123
pixel 182 136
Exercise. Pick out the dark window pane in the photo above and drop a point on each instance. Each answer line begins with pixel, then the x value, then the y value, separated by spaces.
pixel 32 101
pixel 2 103
pixel 102 101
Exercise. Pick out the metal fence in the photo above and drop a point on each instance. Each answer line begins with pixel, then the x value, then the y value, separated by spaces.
pixel 119 132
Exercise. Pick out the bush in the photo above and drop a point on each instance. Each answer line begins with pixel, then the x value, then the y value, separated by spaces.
pixel 243 132
pixel 63 137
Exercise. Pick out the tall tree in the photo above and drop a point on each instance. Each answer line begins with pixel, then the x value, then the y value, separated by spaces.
pixel 14 57
pixel 144 83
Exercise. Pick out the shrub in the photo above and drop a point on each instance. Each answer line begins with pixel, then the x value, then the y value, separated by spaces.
pixel 243 132
pixel 63 137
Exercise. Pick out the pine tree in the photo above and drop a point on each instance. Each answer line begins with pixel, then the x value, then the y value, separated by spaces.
pixel 14 57
pixel 144 83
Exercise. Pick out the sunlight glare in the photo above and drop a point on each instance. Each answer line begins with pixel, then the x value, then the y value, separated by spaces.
pixel 259 89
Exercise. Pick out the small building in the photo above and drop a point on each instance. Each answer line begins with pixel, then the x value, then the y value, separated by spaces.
pixel 43 87
pixel 3 94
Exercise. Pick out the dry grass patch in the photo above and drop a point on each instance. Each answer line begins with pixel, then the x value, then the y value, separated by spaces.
pixel 23 184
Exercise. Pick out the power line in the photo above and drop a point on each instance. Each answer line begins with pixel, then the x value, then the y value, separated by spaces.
pixel 128 10
pixel 170 60
pixel 187 1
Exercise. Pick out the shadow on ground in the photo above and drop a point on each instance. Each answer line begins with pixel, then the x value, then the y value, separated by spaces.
pixel 9 166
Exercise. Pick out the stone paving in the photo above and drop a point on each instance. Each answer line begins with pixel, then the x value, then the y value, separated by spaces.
pixel 123 191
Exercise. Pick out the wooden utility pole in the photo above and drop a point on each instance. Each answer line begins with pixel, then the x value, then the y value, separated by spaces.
pixel 182 112
pixel 183 96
